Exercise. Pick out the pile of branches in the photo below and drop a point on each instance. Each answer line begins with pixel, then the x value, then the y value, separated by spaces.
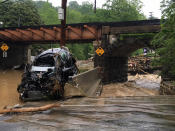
pixel 139 64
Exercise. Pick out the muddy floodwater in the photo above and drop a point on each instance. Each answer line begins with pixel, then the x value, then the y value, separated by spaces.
pixel 115 112
pixel 9 81
pixel 99 114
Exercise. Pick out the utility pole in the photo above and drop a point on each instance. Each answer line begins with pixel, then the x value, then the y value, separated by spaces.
pixel 95 4
pixel 63 24
pixel 151 15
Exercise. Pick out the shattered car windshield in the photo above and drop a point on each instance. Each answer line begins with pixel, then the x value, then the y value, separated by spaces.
pixel 46 59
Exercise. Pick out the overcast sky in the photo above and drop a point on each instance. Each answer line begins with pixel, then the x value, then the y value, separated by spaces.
pixel 149 5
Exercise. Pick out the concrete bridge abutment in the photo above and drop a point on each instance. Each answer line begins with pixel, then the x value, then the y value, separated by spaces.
pixel 114 68
pixel 114 61
pixel 16 55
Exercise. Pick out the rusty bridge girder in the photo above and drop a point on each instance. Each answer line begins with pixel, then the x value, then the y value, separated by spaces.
pixel 75 33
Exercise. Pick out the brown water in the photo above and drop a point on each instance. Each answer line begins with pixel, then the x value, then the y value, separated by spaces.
pixel 153 113
pixel 148 113
pixel 9 81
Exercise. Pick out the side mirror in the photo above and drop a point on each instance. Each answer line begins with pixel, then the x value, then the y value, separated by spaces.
pixel 50 70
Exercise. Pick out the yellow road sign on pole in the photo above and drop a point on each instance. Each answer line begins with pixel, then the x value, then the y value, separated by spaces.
pixel 4 47
pixel 100 51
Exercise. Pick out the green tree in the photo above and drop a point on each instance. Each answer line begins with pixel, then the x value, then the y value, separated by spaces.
pixel 164 41
pixel 48 13
pixel 124 10
pixel 74 5
pixel 19 13
pixel 73 16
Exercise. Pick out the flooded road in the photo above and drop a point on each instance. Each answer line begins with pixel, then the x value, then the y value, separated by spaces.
pixel 9 81
pixel 106 113
pixel 155 113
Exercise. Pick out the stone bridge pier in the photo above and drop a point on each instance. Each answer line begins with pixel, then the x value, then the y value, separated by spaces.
pixel 114 68
pixel 114 61
pixel 16 55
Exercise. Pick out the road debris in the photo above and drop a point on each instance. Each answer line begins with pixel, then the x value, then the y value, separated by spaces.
pixel 139 64
pixel 29 109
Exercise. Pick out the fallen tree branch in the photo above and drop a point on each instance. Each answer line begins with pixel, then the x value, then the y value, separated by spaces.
pixel 143 71
pixel 29 109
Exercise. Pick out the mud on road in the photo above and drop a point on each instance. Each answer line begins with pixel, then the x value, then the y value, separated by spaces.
pixel 154 113
pixel 114 110
pixel 138 85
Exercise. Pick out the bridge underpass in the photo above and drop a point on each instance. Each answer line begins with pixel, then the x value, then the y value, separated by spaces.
pixel 115 60
pixel 106 35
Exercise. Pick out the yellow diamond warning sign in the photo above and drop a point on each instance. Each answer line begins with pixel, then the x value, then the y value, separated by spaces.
pixel 4 47
pixel 100 51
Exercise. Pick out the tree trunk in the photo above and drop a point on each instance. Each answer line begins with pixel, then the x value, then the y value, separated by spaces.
pixel 29 109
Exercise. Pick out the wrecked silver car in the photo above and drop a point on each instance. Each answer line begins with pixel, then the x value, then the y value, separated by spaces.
pixel 47 75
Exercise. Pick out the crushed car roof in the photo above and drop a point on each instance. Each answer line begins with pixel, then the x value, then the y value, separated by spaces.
pixel 53 51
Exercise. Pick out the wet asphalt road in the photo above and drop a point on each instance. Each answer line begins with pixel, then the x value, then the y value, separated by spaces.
pixel 98 114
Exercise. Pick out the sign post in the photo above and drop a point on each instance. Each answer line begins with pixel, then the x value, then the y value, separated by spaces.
pixel 62 17
pixel 4 48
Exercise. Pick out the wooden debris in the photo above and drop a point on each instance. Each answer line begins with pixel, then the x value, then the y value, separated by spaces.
pixel 139 64
pixel 143 71
pixel 29 109
pixel 167 88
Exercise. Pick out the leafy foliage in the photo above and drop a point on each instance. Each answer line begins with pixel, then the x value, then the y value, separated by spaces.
pixel 165 40
pixel 19 13
pixel 124 10
pixel 137 52
pixel 48 13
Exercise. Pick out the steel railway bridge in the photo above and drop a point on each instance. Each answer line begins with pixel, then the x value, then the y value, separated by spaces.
pixel 105 35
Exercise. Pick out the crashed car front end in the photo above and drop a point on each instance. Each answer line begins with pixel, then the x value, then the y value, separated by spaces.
pixel 46 76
